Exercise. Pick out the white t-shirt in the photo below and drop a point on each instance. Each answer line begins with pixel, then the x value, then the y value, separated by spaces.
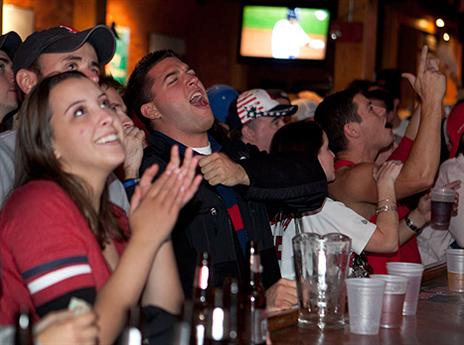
pixel 203 150
pixel 333 217
pixel 433 243
pixel 287 39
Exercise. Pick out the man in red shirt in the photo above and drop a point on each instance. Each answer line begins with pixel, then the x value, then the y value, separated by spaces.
pixel 357 133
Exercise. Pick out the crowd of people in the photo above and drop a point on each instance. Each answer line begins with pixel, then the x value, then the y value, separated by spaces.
pixel 108 194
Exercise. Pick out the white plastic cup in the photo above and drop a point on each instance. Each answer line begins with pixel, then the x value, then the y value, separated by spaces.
pixel 393 299
pixel 365 297
pixel 455 267
pixel 414 274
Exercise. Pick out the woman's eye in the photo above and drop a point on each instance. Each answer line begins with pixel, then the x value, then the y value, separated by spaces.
pixel 79 112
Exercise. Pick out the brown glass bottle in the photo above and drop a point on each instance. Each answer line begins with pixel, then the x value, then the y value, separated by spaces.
pixel 23 331
pixel 202 292
pixel 233 305
pixel 217 332
pixel 184 327
pixel 256 299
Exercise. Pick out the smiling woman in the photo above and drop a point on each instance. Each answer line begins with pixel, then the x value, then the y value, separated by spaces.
pixel 60 237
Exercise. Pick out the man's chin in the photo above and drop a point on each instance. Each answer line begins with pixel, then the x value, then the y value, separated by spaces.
pixel 387 144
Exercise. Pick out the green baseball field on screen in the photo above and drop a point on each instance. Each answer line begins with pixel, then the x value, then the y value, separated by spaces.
pixel 264 17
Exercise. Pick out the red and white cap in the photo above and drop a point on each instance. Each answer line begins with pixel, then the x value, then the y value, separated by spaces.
pixel 254 103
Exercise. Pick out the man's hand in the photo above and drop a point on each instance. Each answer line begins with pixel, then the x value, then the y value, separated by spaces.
pixel 429 83
pixel 217 168
pixel 134 140
pixel 282 295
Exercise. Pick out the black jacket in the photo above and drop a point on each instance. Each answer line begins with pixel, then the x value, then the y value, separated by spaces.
pixel 204 224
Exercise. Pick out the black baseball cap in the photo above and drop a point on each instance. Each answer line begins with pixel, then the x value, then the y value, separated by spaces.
pixel 9 43
pixel 62 39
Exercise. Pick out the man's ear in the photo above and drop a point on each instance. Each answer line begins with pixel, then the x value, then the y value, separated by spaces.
pixel 26 80
pixel 150 111
pixel 352 130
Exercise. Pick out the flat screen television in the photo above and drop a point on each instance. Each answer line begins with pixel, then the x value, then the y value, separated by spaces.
pixel 280 32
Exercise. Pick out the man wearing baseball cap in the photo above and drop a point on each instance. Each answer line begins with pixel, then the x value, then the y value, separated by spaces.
pixel 258 117
pixel 55 50
pixel 61 49
pixel 9 43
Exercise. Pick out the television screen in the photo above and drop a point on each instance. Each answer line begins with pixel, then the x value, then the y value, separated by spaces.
pixel 279 32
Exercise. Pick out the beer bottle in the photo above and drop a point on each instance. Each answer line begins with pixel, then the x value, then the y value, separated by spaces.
pixel 217 331
pixel 201 299
pixel 256 298
pixel 184 327
pixel 232 308
pixel 131 334
pixel 23 331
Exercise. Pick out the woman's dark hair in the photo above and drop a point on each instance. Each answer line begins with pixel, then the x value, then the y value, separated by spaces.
pixel 36 159
pixel 304 137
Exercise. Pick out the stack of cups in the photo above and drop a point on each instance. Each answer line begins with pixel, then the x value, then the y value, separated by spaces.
pixel 393 299
pixel 455 266
pixel 414 274
pixel 365 296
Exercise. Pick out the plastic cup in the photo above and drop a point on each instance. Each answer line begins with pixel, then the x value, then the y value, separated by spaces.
pixel 455 267
pixel 442 207
pixel 393 299
pixel 414 274
pixel 365 296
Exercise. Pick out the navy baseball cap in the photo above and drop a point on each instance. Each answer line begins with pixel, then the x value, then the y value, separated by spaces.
pixel 9 43
pixel 62 39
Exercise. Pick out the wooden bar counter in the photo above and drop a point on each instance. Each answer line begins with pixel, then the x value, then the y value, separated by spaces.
pixel 439 321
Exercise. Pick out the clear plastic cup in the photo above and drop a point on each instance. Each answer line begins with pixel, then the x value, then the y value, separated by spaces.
pixel 393 299
pixel 414 274
pixel 455 267
pixel 365 297
pixel 442 207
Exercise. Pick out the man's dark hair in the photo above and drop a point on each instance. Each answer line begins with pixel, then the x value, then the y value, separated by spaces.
pixel 333 113
pixel 381 95
pixel 109 82
pixel 138 91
